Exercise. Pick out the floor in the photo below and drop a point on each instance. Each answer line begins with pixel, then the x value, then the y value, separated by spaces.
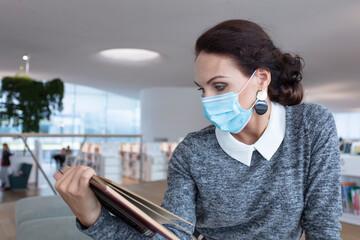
pixel 153 191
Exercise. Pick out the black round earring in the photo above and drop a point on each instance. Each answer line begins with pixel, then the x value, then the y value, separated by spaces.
pixel 261 105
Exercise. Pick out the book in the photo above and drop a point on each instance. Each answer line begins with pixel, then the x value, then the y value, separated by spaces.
pixel 358 201
pixel 355 199
pixel 356 148
pixel 350 147
pixel 346 196
pixel 138 212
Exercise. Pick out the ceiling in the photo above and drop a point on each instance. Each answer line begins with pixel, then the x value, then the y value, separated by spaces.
pixel 64 37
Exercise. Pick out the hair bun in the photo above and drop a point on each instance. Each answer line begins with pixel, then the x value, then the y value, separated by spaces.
pixel 291 90
pixel 292 68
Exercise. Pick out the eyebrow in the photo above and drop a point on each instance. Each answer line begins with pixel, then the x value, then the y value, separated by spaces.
pixel 212 79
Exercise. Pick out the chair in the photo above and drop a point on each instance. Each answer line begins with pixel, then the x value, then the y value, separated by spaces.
pixel 46 217
pixel 20 181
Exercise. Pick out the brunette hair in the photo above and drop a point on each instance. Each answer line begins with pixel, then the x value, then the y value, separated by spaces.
pixel 251 48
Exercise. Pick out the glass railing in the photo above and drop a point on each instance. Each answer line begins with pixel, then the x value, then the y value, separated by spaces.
pixel 124 159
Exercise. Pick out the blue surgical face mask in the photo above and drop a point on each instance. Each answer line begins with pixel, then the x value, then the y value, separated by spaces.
pixel 225 112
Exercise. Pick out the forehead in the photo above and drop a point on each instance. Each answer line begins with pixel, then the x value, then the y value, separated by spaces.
pixel 209 61
pixel 208 64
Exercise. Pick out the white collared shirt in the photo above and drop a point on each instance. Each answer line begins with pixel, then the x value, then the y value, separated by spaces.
pixel 266 145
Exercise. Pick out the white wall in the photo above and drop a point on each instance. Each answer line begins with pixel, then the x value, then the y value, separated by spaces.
pixel 170 113
pixel 347 125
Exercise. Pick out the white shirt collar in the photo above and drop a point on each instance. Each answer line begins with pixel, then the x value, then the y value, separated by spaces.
pixel 266 145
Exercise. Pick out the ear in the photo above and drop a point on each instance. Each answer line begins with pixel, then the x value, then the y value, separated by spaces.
pixel 264 78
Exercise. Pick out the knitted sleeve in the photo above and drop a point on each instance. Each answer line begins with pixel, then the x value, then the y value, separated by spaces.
pixel 320 218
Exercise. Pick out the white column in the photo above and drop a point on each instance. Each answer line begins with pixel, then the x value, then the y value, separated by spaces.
pixel 170 113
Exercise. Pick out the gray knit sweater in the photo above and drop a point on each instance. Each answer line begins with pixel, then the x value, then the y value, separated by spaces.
pixel 297 190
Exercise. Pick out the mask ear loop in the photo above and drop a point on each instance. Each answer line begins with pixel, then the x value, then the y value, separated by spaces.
pixel 247 82
pixel 254 104
pixel 246 85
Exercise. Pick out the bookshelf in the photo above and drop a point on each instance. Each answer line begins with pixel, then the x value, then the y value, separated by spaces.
pixel 350 171
pixel 155 160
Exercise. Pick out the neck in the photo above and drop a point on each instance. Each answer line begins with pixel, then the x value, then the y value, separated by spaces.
pixel 255 127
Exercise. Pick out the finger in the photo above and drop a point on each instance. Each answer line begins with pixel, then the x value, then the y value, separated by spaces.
pixel 62 184
pixel 60 177
pixel 74 187
pixel 57 176
pixel 85 178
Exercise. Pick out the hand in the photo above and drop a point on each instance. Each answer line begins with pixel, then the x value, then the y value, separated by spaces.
pixel 74 188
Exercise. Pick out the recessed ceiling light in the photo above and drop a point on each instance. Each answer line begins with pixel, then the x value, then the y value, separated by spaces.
pixel 129 54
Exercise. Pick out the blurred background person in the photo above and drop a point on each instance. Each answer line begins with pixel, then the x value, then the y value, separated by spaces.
pixel 5 165
pixel 60 158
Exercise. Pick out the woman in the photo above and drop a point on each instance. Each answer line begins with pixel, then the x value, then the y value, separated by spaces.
pixel 5 164
pixel 60 158
pixel 271 173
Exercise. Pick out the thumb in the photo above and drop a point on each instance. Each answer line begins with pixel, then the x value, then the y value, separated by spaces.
pixel 57 176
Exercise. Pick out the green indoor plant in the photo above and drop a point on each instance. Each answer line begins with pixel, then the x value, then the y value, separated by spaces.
pixel 27 101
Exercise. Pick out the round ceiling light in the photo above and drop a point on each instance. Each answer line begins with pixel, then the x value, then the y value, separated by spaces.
pixel 129 54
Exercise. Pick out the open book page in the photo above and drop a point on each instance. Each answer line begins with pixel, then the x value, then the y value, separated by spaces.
pixel 132 211
pixel 140 200
pixel 157 213
pixel 110 203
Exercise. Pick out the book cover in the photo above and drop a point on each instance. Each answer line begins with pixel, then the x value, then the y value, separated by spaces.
pixel 355 200
pixel 346 196
pixel 358 200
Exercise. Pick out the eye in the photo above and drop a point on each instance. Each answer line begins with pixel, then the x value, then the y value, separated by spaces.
pixel 219 88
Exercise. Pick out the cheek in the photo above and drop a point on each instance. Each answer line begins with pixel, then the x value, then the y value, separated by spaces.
pixel 247 99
